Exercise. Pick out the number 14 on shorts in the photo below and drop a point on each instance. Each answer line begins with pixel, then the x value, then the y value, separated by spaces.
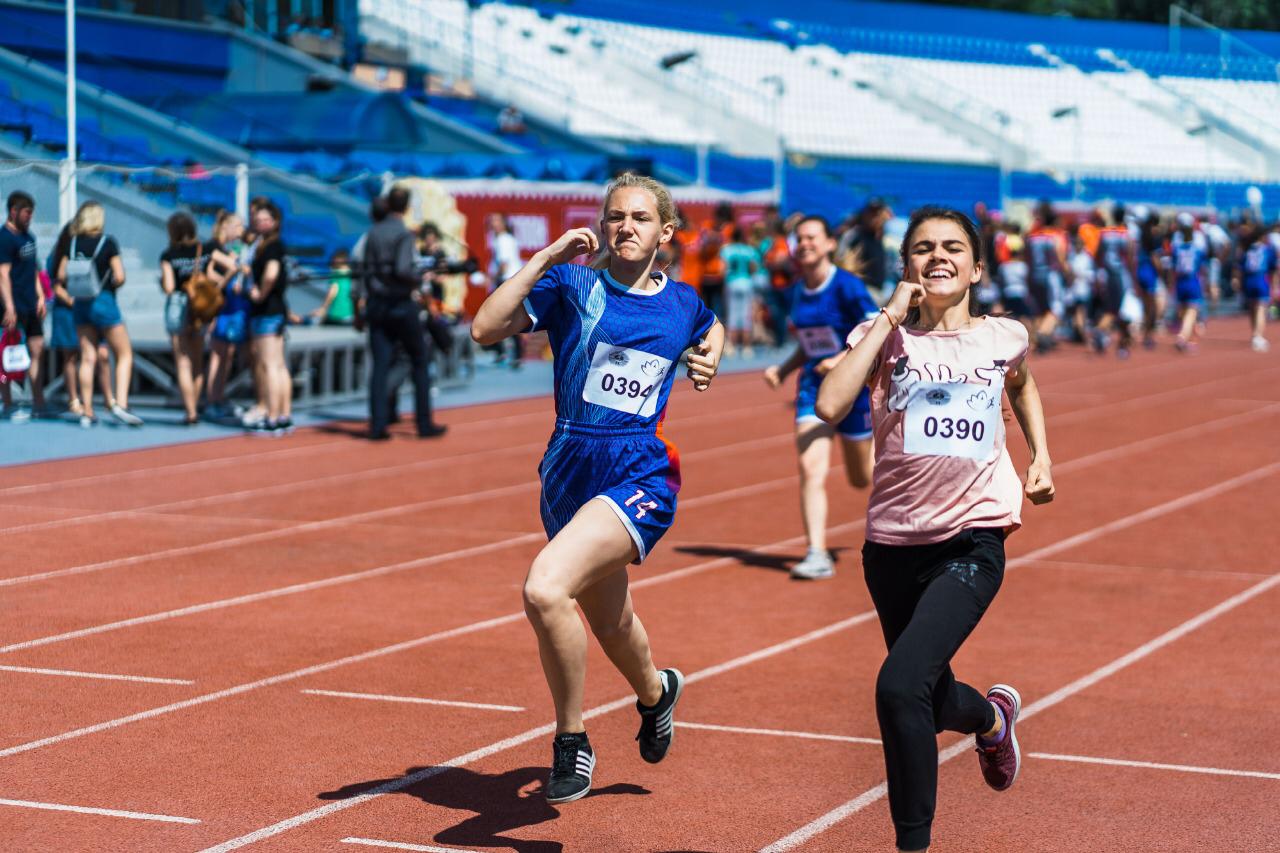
pixel 641 506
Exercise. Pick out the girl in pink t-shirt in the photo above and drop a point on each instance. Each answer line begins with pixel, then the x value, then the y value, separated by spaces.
pixel 944 496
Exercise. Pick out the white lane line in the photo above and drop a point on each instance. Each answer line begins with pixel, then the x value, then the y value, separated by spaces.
pixel 1136 518
pixel 778 733
pixel 1146 399
pixel 415 700
pixel 831 818
pixel 520 739
pixel 406 645
pixel 1152 765
pixel 71 673
pixel 404 845
pixel 341 480
pixel 1067 565
pixel 323 524
pixel 59 807
pixel 344 478
pixel 292 589
pixel 1166 438
pixel 115 477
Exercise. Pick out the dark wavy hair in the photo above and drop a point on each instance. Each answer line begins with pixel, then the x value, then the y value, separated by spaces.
pixel 971 233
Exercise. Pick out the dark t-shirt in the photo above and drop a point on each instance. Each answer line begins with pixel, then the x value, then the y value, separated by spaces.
pixel 274 303
pixel 84 246
pixel 19 252
pixel 182 257
pixel 212 265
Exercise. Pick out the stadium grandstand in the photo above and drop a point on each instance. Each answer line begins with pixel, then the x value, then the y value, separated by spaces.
pixel 199 107
pixel 367 367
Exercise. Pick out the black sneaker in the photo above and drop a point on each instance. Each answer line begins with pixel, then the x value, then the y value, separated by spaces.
pixel 657 723
pixel 572 762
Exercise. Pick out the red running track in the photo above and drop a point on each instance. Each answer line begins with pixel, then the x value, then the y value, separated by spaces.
pixel 317 645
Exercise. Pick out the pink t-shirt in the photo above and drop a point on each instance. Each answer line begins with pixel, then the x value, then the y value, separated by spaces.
pixel 941 462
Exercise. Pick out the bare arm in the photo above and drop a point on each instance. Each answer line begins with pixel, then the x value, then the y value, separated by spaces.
pixel 776 374
pixel 502 314
pixel 117 271
pixel 168 282
pixel 1024 395
pixel 269 277
pixel 6 291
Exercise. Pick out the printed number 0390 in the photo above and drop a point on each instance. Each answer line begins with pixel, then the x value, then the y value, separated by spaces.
pixel 623 387
pixel 954 428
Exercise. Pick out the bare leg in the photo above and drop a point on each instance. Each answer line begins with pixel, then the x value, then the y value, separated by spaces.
pixel 36 373
pixel 71 380
pixel 593 545
pixel 118 339
pixel 88 361
pixel 858 461
pixel 186 382
pixel 813 444
pixel 104 376
pixel 607 606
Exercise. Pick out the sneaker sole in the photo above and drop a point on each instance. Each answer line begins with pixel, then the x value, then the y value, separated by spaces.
pixel 1016 698
pixel 822 576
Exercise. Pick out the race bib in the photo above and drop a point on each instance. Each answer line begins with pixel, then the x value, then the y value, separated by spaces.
pixel 818 341
pixel 951 419
pixel 625 379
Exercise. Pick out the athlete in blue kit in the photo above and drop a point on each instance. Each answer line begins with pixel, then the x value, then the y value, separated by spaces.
pixel 1188 262
pixel 609 479
pixel 826 303
pixel 1259 271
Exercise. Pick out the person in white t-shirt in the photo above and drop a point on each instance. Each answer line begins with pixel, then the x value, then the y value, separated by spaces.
pixel 504 262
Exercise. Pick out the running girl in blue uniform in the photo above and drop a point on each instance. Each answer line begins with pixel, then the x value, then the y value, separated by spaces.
pixel 609 479
pixel 1150 241
pixel 1258 274
pixel 1189 260
pixel 826 303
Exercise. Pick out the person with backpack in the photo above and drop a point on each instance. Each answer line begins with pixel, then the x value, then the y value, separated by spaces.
pixel 226 253
pixel 93 272
pixel 183 258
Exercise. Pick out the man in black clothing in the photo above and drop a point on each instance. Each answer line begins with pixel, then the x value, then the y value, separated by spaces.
pixel 391 282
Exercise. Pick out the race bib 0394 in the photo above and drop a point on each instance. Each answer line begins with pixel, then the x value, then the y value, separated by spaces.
pixel 625 379
pixel 951 419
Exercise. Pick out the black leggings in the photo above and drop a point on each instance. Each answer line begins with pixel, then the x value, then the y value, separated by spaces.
pixel 929 598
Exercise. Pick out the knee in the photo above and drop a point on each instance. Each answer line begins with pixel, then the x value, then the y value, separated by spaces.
pixel 543 594
pixel 813 469
pixel 896 690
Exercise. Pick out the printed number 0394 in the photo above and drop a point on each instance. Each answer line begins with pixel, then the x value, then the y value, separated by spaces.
pixel 623 387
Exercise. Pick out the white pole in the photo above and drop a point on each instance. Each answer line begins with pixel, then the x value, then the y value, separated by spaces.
pixel 67 177
pixel 242 191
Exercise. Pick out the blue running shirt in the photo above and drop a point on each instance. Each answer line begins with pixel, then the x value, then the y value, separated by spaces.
pixel 824 317
pixel 616 349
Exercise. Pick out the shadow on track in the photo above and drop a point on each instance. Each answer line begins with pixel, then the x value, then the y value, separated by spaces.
pixel 747 557
pixel 502 802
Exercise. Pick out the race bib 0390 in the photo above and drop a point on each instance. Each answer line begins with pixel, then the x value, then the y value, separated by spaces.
pixel 818 341
pixel 951 419
pixel 625 379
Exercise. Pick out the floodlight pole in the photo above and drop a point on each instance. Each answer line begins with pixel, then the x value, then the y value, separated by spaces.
pixel 67 174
